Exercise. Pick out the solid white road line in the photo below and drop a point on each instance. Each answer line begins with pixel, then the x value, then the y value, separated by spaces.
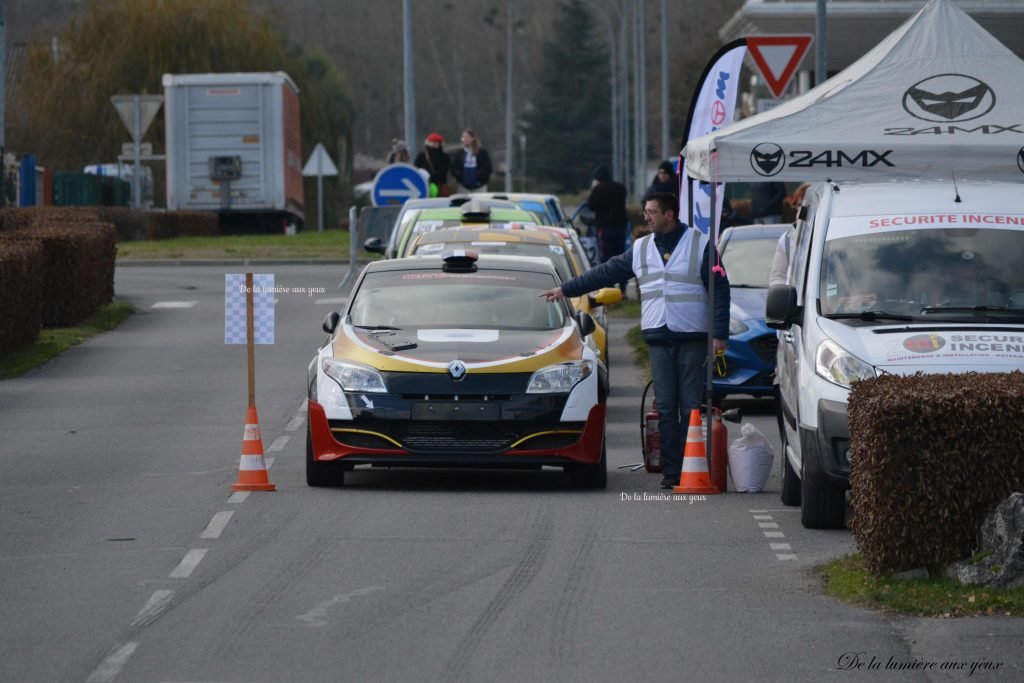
pixel 279 443
pixel 217 524
pixel 239 496
pixel 188 563
pixel 156 603
pixel 111 665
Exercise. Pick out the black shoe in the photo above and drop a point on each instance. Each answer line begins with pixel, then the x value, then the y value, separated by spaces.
pixel 669 482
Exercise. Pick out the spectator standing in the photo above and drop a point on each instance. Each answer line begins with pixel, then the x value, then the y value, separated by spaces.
pixel 673 314
pixel 608 202
pixel 399 152
pixel 766 202
pixel 664 181
pixel 435 161
pixel 471 165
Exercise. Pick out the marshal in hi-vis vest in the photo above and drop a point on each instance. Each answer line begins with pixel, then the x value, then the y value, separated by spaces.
pixel 672 293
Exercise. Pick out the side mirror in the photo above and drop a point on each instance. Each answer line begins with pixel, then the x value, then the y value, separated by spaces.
pixel 780 310
pixel 374 245
pixel 587 324
pixel 331 321
pixel 606 296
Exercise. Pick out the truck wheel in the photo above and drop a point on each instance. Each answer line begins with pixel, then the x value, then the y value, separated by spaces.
pixel 790 482
pixel 590 476
pixel 822 506
pixel 321 473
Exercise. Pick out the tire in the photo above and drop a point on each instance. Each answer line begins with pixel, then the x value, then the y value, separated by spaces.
pixel 790 482
pixel 321 473
pixel 821 506
pixel 590 476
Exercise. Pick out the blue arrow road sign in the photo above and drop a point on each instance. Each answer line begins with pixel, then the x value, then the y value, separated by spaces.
pixel 397 183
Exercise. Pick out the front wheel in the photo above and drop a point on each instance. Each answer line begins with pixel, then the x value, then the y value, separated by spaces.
pixel 590 476
pixel 321 473
pixel 821 506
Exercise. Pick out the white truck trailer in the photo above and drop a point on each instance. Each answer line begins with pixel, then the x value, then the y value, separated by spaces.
pixel 234 146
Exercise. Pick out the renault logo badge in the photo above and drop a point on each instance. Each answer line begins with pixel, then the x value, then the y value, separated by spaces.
pixel 457 369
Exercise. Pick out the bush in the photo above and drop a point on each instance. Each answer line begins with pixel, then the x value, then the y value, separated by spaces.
pixel 131 224
pixel 21 291
pixel 930 457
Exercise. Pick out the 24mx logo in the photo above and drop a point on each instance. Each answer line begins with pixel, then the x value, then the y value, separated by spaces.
pixel 768 159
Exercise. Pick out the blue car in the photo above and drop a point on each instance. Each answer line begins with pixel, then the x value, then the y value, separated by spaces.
pixel 749 367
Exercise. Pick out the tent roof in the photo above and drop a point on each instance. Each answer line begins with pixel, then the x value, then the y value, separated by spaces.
pixel 938 97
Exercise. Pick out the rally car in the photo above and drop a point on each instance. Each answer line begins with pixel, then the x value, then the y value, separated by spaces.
pixel 456 361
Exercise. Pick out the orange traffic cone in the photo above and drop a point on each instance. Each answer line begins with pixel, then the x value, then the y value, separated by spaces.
pixel 252 470
pixel 694 477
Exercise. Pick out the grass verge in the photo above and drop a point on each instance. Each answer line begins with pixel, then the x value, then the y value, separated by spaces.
pixel 53 342
pixel 847 579
pixel 329 244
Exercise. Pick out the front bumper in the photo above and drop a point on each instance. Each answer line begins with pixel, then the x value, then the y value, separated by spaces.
pixel 749 365
pixel 826 450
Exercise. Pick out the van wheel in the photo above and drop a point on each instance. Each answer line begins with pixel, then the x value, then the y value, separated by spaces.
pixel 790 482
pixel 590 476
pixel 822 506
pixel 321 473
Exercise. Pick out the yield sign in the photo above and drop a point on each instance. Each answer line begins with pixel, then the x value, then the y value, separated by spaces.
pixel 319 163
pixel 149 105
pixel 777 57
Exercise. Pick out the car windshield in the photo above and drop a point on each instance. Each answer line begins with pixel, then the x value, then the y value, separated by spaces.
pixel 749 261
pixel 553 252
pixel 505 300
pixel 950 273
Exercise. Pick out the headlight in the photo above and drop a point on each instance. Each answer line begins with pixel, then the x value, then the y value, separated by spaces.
pixel 736 327
pixel 839 366
pixel 559 379
pixel 354 377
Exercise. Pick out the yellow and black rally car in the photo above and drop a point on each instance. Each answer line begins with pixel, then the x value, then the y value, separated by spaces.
pixel 457 361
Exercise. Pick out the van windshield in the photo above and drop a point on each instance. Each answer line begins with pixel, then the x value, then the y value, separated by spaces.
pixel 947 273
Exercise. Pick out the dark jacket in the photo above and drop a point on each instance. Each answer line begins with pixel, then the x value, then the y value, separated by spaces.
pixel 656 186
pixel 766 199
pixel 436 162
pixel 608 202
pixel 619 268
pixel 483 168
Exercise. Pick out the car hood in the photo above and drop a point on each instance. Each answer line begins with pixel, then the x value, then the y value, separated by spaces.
pixel 747 304
pixel 433 349
pixel 930 348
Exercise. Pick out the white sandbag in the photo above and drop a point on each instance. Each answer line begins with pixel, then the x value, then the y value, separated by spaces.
pixel 750 459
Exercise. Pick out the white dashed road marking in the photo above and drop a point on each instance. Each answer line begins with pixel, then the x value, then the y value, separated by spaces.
pixel 239 496
pixel 279 443
pixel 156 604
pixel 217 524
pixel 112 664
pixel 188 563
pixel 174 304
pixel 763 522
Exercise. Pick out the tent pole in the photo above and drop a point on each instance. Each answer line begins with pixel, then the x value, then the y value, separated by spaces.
pixel 710 363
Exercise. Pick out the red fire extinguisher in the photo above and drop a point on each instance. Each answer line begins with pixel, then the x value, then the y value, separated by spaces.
pixel 650 440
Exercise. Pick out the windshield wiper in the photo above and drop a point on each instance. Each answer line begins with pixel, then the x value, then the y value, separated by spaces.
pixel 375 327
pixel 870 315
pixel 735 286
pixel 984 309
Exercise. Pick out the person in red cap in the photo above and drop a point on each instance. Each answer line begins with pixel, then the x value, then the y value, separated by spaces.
pixel 436 162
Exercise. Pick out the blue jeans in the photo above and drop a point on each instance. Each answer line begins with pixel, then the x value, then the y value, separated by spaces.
pixel 678 372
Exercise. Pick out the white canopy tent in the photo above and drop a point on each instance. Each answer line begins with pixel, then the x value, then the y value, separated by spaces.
pixel 938 98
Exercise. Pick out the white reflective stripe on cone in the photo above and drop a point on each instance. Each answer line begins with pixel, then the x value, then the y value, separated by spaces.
pixel 252 462
pixel 698 464
pixel 694 434
pixel 252 433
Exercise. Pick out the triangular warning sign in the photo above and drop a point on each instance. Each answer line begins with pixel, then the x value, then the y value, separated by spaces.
pixel 149 105
pixel 777 57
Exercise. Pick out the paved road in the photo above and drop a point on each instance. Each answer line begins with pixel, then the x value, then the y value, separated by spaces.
pixel 126 557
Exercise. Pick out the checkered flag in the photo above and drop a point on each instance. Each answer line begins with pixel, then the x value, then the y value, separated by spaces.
pixel 263 308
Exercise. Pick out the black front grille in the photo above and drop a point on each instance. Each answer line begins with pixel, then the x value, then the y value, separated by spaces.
pixel 765 346
pixel 455 436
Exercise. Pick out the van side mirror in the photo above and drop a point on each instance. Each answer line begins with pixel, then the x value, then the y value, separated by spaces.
pixel 780 310
pixel 374 245
pixel 587 324
pixel 331 321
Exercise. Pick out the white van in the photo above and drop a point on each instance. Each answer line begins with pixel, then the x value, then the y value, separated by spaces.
pixel 888 278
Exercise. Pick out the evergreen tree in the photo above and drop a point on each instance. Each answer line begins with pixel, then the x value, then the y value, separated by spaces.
pixel 570 123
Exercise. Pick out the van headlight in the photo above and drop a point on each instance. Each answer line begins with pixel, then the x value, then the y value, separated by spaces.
pixel 736 327
pixel 839 366
pixel 354 377
pixel 559 379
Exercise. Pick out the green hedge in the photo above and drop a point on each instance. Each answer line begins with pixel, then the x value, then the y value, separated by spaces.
pixel 21 292
pixel 930 457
